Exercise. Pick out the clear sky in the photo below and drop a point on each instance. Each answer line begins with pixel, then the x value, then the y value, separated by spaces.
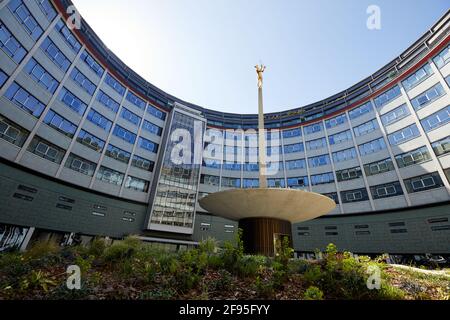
pixel 204 51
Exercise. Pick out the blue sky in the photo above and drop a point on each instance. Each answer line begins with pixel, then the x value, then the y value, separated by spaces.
pixel 203 51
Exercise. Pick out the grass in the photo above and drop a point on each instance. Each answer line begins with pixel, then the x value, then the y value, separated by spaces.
pixel 131 269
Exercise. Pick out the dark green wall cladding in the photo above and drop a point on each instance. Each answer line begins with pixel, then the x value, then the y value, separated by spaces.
pixel 42 211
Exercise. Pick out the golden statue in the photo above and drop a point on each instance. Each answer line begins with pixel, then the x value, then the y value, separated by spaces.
pixel 259 70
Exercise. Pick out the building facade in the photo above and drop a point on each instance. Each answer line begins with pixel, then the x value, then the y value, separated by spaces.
pixel 86 145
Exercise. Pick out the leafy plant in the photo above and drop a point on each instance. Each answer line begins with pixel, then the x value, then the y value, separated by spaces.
pixel 313 293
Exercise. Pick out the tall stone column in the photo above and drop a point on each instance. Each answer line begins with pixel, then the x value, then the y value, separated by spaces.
pixel 261 132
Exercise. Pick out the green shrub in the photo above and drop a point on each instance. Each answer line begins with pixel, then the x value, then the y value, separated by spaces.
pixel 285 253
pixel 208 246
pixel 222 283
pixel 12 265
pixel 42 249
pixel 264 288
pixel 122 250
pixel 250 266
pixel 313 293
pixel 96 247
pixel 231 253
pixel 313 274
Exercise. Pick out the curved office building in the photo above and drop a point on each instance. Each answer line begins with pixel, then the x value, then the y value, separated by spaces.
pixel 86 146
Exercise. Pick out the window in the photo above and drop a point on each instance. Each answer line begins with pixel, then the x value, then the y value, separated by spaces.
pixel 395 115
pixel 92 64
pixel 297 182
pixel 417 77
pixel 73 102
pixel 387 96
pixel 297 132
pixel 136 184
pixel 296 164
pixel 142 163
pixel 152 128
pixel 316 144
pixel 386 190
pixel 117 153
pixel 296 147
pixel 442 58
pixel 251 183
pixel 403 135
pixel 209 180
pixel 12 132
pixel 436 120
pixel 58 58
pixel 251 167
pixel 130 116
pixel 148 145
pixel 99 120
pixel 110 176
pixel 442 146
pixel 318 161
pixel 107 101
pixel 372 147
pixel 60 124
pixel 124 134
pixel 348 174
pixel 313 128
pixel 423 182
pixel 276 183
pixel 416 156
pixel 333 196
pixel 232 166
pixel 354 195
pixel 41 76
pixel 361 110
pixel 46 150
pixel 340 137
pixel 377 167
pixel 428 96
pixel 90 141
pixel 10 45
pixel 336 121
pixel 47 9
pixel 322 178
pixel 231 182
pixel 25 18
pixel 82 81
pixel 3 78
pixel 24 100
pixel 138 102
pixel 68 37
pixel 366 127
pixel 156 112
pixel 81 165
pixel 344 155
pixel 113 83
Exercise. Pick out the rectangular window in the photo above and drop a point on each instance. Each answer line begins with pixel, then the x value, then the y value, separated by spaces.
pixel 23 15
pixel 417 77
pixel 348 174
pixel 12 132
pixel 10 45
pixel 107 101
pixel 297 132
pixel 395 115
pixel 292 148
pixel 361 110
pixel 423 182
pixel 90 141
pixel 134 99
pixel 231 166
pixel 136 184
pixel 68 37
pixel 416 156
pixel 336 121
pixel 436 120
pixel 156 112
pixel 73 102
pixel 403 135
pixel 365 128
pixel 391 189
pixel 428 96
pixel 60 124
pixel 442 146
pixel 318 161
pixel 316 144
pixel 313 128
pixel 148 145
pixel 209 180
pixel 442 58
pixel 142 163
pixel 114 84
pixel 372 147
pixel 297 182
pixel 387 96
pixel 296 164
pixel 378 167
pixel 340 137
pixel 41 76
pixel 24 100
pixel 46 150
pixel 99 120
pixel 110 176
pixel 152 128
pixel 333 196
pixel 47 9
pixel 81 165
pixel 3 78
pixel 130 116
pixel 92 64
pixel 344 155
pixel 231 182
pixel 354 195
pixel 124 134
pixel 82 81
pixel 251 167
pixel 118 154
pixel 322 178
pixel 54 54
